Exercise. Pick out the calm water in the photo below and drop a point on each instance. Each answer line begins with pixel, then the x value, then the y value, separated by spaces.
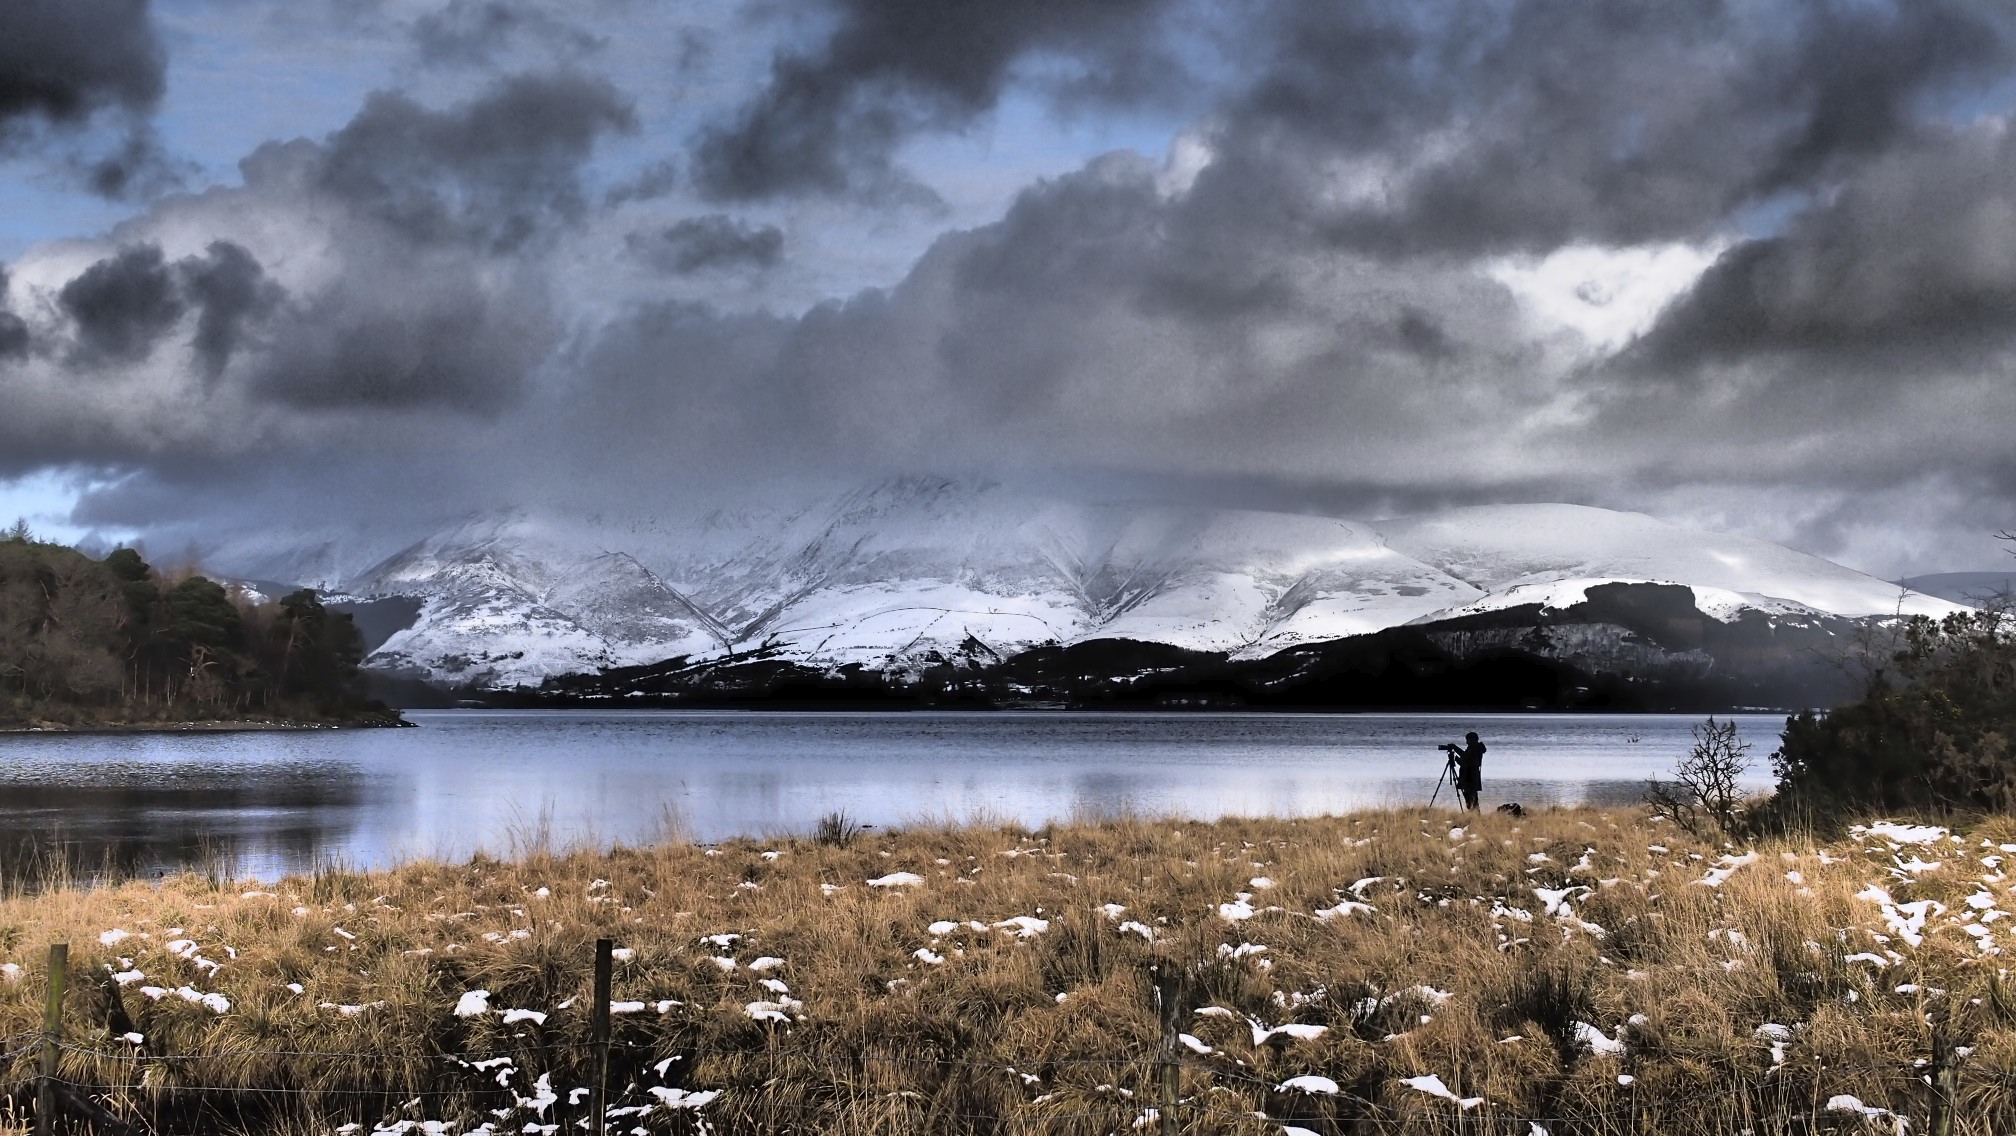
pixel 268 803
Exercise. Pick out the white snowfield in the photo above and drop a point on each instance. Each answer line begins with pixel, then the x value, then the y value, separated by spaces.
pixel 914 571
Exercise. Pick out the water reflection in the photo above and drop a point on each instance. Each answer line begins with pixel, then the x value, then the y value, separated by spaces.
pixel 265 804
pixel 117 819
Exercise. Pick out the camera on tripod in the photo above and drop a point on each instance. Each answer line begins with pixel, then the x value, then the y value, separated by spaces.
pixel 1449 748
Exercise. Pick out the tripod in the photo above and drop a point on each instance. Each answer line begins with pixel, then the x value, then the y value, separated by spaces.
pixel 1448 778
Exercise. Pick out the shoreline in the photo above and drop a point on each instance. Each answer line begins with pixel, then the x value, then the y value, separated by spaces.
pixel 241 726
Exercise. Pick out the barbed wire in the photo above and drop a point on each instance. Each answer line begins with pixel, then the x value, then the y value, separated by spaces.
pixel 400 1077
pixel 1354 1103
pixel 1777 1075
pixel 1917 1068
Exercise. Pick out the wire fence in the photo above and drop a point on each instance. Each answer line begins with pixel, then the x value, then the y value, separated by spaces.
pixel 811 1090
pixel 655 1081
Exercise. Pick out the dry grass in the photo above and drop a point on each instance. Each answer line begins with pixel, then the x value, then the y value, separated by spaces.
pixel 1454 967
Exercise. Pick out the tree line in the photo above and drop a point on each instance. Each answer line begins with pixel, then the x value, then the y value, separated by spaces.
pixel 1931 731
pixel 88 641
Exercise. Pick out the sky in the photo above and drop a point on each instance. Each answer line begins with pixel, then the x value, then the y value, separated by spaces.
pixel 323 266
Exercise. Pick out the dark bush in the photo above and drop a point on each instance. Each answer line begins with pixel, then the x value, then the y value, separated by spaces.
pixel 1931 731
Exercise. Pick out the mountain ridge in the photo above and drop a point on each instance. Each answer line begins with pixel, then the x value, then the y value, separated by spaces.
pixel 902 574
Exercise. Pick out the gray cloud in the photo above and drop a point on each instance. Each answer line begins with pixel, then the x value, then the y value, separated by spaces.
pixel 478 32
pixel 1516 126
pixel 441 338
pixel 829 120
pixel 1867 346
pixel 233 292
pixel 1307 305
pixel 1406 128
pixel 1096 326
pixel 396 267
pixel 716 241
pixel 1916 253
pixel 63 60
pixel 654 181
pixel 69 66
pixel 137 168
pixel 495 170
pixel 123 304
pixel 13 329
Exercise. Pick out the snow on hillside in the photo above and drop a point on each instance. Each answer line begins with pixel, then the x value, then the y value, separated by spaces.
pixel 1556 549
pixel 916 570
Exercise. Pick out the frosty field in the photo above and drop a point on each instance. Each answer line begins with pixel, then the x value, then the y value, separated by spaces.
pixel 1575 971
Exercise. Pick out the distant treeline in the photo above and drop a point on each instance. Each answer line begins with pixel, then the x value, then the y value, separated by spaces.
pixel 113 641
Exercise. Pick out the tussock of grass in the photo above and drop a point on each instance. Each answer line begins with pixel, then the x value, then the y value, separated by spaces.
pixel 1420 948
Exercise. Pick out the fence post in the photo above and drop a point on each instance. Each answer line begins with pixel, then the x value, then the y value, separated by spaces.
pixel 1945 1084
pixel 52 1037
pixel 598 1123
pixel 1169 1075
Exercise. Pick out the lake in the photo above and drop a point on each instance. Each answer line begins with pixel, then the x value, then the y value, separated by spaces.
pixel 264 804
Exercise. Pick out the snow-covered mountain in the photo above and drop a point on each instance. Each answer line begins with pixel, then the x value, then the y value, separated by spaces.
pixel 916 570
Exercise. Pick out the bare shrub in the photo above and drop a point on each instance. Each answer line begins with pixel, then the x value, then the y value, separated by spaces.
pixel 1704 796
pixel 836 829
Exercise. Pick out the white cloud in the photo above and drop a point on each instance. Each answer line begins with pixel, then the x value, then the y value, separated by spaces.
pixel 1606 295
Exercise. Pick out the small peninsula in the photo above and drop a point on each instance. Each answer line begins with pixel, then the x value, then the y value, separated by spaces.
pixel 115 644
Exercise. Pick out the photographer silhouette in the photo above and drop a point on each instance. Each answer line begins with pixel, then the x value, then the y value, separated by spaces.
pixel 1467 763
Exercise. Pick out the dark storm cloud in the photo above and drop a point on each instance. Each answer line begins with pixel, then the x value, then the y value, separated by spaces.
pixel 1423 128
pixel 1916 253
pixel 63 60
pixel 830 120
pixel 1865 346
pixel 1310 301
pixel 438 340
pixel 1519 126
pixel 441 219
pixel 233 292
pixel 78 81
pixel 1097 325
pixel 495 170
pixel 479 31
pixel 715 241
pixel 123 304
pixel 374 286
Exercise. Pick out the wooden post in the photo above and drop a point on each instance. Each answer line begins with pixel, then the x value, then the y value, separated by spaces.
pixel 1945 1078
pixel 598 1123
pixel 52 1037
pixel 1170 1076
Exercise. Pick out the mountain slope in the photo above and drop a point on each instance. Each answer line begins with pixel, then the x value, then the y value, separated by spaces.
pixel 917 572
pixel 1540 553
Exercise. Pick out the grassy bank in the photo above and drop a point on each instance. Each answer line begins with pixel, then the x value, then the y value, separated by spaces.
pixel 1588 970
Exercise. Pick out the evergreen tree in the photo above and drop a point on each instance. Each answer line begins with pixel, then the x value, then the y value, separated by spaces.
pixel 321 650
pixel 90 640
pixel 1935 726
